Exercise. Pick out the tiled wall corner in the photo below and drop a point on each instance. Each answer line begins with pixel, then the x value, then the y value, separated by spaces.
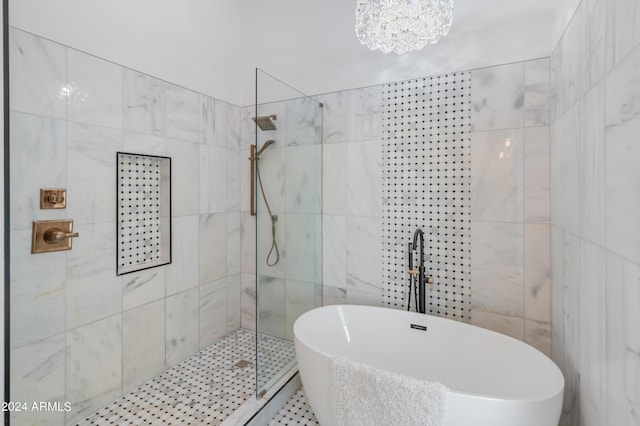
pixel 595 233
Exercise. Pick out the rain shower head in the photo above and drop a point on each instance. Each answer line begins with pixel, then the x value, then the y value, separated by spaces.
pixel 265 122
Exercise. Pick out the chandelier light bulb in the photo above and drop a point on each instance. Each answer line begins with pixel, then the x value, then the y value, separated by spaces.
pixel 402 25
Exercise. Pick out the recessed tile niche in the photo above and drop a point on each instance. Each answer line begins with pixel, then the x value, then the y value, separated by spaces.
pixel 144 212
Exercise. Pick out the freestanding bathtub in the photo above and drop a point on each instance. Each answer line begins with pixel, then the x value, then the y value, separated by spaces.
pixel 493 379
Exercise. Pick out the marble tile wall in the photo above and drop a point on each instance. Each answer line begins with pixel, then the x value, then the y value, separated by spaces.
pixel 510 289
pixel 79 333
pixel 352 197
pixel 510 204
pixel 291 173
pixel 595 232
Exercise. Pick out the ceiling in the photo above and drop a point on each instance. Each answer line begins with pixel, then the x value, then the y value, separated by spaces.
pixel 312 44
pixel 214 46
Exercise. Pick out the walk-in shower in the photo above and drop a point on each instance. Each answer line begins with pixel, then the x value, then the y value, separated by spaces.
pixel 286 167
pixel 191 339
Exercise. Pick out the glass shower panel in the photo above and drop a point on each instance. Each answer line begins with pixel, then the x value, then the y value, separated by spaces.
pixel 288 200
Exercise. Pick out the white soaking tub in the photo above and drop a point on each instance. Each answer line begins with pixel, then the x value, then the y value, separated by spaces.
pixel 493 379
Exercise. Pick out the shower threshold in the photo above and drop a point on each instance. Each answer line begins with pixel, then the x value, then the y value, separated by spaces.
pixel 215 386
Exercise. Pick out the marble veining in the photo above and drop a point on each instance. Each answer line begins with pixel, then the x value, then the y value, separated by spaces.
pixel 37 374
pixel 139 288
pixel 497 268
pixel 144 103
pixel 213 246
pixel 536 93
pixel 93 366
pixel 93 289
pixel 182 273
pixel 91 172
pixel 536 175
pixel 182 333
pixel 38 150
pixel 498 97
pixel 182 113
pixel 595 251
pixel 38 75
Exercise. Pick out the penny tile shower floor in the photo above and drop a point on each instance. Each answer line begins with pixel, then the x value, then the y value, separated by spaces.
pixel 202 390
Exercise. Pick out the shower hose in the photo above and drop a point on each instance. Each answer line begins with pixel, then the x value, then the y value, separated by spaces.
pixel 274 245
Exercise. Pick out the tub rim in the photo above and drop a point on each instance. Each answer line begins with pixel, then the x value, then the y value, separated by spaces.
pixel 553 365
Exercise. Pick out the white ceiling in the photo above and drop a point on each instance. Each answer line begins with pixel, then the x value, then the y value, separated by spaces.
pixel 213 46
pixel 312 44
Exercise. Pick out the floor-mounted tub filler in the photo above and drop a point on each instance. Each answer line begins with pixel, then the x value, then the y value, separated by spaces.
pixel 466 374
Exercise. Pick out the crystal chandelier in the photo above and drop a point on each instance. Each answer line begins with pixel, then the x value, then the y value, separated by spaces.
pixel 402 25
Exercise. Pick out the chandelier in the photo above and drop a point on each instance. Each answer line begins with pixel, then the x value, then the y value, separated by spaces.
pixel 402 25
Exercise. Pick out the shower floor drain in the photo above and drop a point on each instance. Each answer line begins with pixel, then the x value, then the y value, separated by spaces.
pixel 242 363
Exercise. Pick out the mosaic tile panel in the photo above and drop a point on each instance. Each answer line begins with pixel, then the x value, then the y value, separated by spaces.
pixel 427 184
pixel 144 213
pixel 202 390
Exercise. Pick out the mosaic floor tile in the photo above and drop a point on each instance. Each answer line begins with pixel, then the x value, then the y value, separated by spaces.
pixel 202 390
pixel 297 411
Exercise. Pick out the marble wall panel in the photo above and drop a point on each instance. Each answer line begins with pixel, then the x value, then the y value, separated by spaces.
pixel 93 290
pixel 91 173
pixel 213 178
pixel 595 236
pixel 93 366
pixel 498 97
pixel 213 247
pixel 185 177
pixel 143 330
pixel 92 100
pixel 142 287
pixel 144 103
pixel 622 155
pixel 37 374
pixel 497 273
pixel 213 312
pixel 38 160
pixel 537 207
pixel 38 70
pixel 497 170
pixel 183 272
pixel 182 330
pixel 536 93
pixel 182 113
pixel 70 113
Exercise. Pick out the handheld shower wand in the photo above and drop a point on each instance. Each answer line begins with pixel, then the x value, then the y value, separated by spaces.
pixel 255 157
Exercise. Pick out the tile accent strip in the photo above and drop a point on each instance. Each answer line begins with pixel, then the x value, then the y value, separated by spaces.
pixel 426 184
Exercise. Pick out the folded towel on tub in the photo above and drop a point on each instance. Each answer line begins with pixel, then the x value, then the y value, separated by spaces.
pixel 362 395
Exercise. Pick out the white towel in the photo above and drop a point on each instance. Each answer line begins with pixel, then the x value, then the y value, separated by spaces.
pixel 362 395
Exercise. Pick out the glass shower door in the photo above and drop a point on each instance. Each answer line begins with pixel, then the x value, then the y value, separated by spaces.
pixel 288 201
